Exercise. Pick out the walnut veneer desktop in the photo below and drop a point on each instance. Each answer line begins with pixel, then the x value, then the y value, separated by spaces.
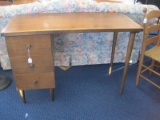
pixel 34 32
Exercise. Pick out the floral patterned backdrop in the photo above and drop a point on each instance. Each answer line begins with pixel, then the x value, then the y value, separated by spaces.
pixel 79 48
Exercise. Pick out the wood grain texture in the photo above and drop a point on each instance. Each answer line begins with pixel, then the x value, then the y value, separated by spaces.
pixel 69 22
pixel 23 52
pixel 37 64
pixel 35 81
pixel 5 3
pixel 41 75
pixel 17 2
pixel 30 70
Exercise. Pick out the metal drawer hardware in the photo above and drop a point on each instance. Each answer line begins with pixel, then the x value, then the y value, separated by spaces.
pixel 31 65
pixel 28 46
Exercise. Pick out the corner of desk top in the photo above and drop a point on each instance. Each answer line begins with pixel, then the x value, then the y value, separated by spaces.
pixel 3 32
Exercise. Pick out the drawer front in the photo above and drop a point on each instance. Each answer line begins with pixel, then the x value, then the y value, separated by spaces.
pixel 17 46
pixel 37 61
pixel 33 70
pixel 34 45
pixel 24 52
pixel 20 40
pixel 41 64
pixel 35 81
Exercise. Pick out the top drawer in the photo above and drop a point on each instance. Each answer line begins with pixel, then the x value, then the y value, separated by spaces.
pixel 28 39
pixel 17 46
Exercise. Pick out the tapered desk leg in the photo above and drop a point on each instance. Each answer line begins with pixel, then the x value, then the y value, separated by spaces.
pixel 113 51
pixel 22 94
pixel 52 94
pixel 129 50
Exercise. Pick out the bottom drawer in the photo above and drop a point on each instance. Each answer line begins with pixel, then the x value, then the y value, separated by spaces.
pixel 35 81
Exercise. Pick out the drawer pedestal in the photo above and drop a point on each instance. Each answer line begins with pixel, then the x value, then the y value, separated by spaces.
pixel 37 73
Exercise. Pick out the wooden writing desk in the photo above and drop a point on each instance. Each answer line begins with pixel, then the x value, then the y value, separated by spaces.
pixel 34 32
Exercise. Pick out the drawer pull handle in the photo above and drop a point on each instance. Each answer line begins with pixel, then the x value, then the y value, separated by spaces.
pixel 31 65
pixel 35 82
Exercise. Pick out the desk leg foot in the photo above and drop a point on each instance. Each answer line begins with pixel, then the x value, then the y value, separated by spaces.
pixel 110 70
pixel 22 94
pixel 52 94
pixel 122 86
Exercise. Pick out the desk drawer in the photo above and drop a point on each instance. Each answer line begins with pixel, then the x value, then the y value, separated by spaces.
pixel 40 64
pixel 24 52
pixel 35 81
pixel 23 45
pixel 17 46
pixel 33 70
pixel 38 61
pixel 29 39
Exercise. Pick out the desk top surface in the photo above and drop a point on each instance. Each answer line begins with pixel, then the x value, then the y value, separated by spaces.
pixel 30 24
